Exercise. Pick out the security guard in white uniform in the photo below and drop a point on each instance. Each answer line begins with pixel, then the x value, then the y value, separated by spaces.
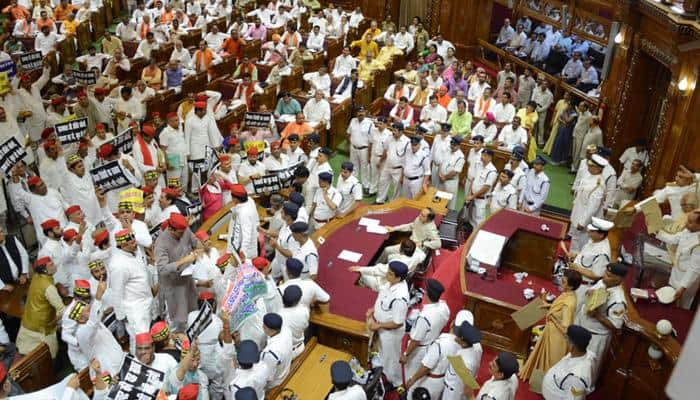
pixel 504 194
pixel 307 252
pixel 326 201
pixel 570 377
pixel 484 181
pixel 451 166
pixel 416 170
pixel 395 151
pixel 593 258
pixel 426 328
pixel 469 338
pixel 504 380
pixel 387 319
pixel 606 319
pixel 378 145
pixel 350 189
pixel 439 149
pixel 341 376
pixel 536 188
pixel 359 132
pixel 276 357
pixel 685 274
pixel 588 201
pixel 249 372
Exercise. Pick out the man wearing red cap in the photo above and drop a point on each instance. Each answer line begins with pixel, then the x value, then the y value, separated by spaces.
pixel 167 200
pixel 201 131
pixel 250 169
pixel 54 249
pixel 146 151
pixel 206 272
pixel 209 347
pixel 69 323
pixel 43 305
pixel 94 339
pixel 130 281
pixel 127 108
pixel 43 203
pixel 28 98
pixel 188 374
pixel 172 141
pixel 175 250
pixel 57 111
pixel 80 190
pixel 52 168
pixel 145 353
pixel 243 228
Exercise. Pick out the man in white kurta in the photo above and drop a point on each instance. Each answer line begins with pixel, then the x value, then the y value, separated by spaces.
pixel 588 202
pixel 317 110
pixel 43 203
pixel 52 168
pixel 243 228
pixel 201 131
pixel 433 115
pixel 29 96
pixel 79 189
pixel 127 108
pixel 685 274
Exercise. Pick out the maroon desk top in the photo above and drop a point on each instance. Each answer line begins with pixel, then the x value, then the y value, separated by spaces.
pixel 347 299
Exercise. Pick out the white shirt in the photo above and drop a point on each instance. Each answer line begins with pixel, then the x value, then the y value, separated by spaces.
pixel 343 65
pixel 471 356
pixel 243 229
pixel 277 357
pixel 503 389
pixel 308 255
pixel 316 111
pixel 441 47
pixel 476 90
pixel 311 292
pixel 486 175
pixel 350 190
pixel 379 140
pixel 416 164
pixel 215 40
pixel 396 150
pixel 323 210
pixel 46 43
pixel 404 41
pixel 511 137
pixel 246 170
pixel 315 42
pixel 406 119
pixel 391 304
pixel 504 197
pixel 436 114
pixel 568 379
pixel 488 133
pixel 360 132
pixel 174 141
pixel 14 270
pixel 631 154
pixel 504 113
pixel 536 190
pixel 271 163
pixel 296 320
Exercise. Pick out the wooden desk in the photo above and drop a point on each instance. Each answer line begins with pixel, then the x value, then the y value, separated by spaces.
pixel 527 249
pixel 12 304
pixel 312 379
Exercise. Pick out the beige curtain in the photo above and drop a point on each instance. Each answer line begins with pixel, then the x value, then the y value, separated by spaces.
pixel 411 8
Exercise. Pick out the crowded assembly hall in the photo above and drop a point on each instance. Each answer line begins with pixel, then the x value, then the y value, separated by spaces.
pixel 349 199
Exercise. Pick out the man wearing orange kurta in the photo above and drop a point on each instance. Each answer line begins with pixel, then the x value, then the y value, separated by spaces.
pixel 16 11
pixel 205 58
pixel 63 10
pixel 299 126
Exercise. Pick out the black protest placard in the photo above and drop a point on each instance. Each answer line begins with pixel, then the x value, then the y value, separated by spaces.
pixel 85 77
pixel 137 381
pixel 204 318
pixel 267 184
pixel 124 142
pixel 31 60
pixel 209 162
pixel 10 153
pixel 195 210
pixel 285 175
pixel 257 120
pixel 155 232
pixel 109 176
pixel 71 131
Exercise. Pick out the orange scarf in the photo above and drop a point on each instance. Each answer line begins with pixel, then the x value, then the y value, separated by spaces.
pixel 404 113
pixel 167 17
pixel 483 106
pixel 145 28
pixel 398 94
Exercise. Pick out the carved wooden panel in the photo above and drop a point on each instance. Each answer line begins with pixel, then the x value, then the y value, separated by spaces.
pixel 498 330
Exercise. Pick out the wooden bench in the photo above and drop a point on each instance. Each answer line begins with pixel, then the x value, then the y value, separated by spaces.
pixel 35 370
pixel 293 368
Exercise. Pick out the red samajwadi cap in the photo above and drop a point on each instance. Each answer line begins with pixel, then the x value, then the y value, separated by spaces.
pixel 222 261
pixel 202 235
pixel 58 100
pixel 260 263
pixel 33 181
pixel 177 221
pixel 46 133
pixel 101 237
pixel 206 295
pixel 50 224
pixel 160 331
pixel 144 338
pixel 200 104
pixel 42 262
pixel 238 190
pixel 72 210
pixel 148 130
pixel 170 192
pixel 69 234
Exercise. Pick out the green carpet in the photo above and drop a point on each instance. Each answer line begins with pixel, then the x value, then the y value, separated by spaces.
pixel 559 192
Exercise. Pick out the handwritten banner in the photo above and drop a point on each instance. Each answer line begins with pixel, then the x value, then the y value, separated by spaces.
pixel 31 61
pixel 266 184
pixel 10 153
pixel 71 131
pixel 137 381
pixel 257 120
pixel 241 292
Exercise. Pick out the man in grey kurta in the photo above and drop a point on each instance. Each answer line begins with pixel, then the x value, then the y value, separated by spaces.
pixel 175 251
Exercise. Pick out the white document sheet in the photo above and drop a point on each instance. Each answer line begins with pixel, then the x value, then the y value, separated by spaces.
pixel 188 270
pixel 377 229
pixel 487 247
pixel 368 221
pixel 348 255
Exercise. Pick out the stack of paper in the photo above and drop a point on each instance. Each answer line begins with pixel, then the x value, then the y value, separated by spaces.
pixel 487 247
pixel 377 229
pixel 351 256
pixel 652 214
pixel 596 298
pixel 368 221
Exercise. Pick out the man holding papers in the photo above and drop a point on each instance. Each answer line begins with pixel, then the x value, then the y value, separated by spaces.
pixel 602 321
pixel 424 233
pixel 685 274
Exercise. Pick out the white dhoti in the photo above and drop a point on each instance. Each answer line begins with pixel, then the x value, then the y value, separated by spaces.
pixel 388 177
pixel 359 157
